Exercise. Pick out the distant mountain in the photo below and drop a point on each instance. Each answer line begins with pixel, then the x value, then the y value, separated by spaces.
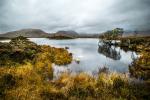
pixel 37 33
pixel 30 33
pixel 64 35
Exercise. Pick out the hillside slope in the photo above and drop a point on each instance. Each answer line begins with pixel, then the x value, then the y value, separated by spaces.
pixel 30 33
pixel 64 35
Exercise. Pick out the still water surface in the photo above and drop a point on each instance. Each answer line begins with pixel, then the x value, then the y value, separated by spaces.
pixel 92 57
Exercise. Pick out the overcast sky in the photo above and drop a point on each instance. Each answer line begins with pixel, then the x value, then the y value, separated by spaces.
pixel 79 15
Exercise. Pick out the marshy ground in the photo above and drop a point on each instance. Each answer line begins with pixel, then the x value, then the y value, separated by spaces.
pixel 26 73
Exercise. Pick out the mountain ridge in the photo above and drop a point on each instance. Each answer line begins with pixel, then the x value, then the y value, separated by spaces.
pixel 30 33
pixel 62 34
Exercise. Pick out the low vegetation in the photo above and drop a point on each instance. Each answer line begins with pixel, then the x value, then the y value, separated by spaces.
pixel 26 83
pixel 28 75
pixel 137 44
pixel 20 50
pixel 141 66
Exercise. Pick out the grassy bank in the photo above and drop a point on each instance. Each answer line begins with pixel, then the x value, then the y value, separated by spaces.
pixel 140 68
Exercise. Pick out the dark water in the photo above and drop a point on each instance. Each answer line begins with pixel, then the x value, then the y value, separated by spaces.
pixel 91 56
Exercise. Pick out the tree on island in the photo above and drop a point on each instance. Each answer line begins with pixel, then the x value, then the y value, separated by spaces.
pixel 113 34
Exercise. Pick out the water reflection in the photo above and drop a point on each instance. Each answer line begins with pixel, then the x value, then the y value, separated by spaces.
pixel 109 51
pixel 90 56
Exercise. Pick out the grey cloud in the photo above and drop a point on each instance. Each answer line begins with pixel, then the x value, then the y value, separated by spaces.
pixel 134 14
pixel 80 15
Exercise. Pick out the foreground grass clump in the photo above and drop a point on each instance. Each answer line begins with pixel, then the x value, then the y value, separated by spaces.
pixel 112 86
pixel 19 82
pixel 26 83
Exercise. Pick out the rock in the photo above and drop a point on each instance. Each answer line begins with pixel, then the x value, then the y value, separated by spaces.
pixel 77 61
pixel 66 47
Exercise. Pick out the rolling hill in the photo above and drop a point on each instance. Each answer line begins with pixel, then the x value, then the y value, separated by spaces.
pixel 30 33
